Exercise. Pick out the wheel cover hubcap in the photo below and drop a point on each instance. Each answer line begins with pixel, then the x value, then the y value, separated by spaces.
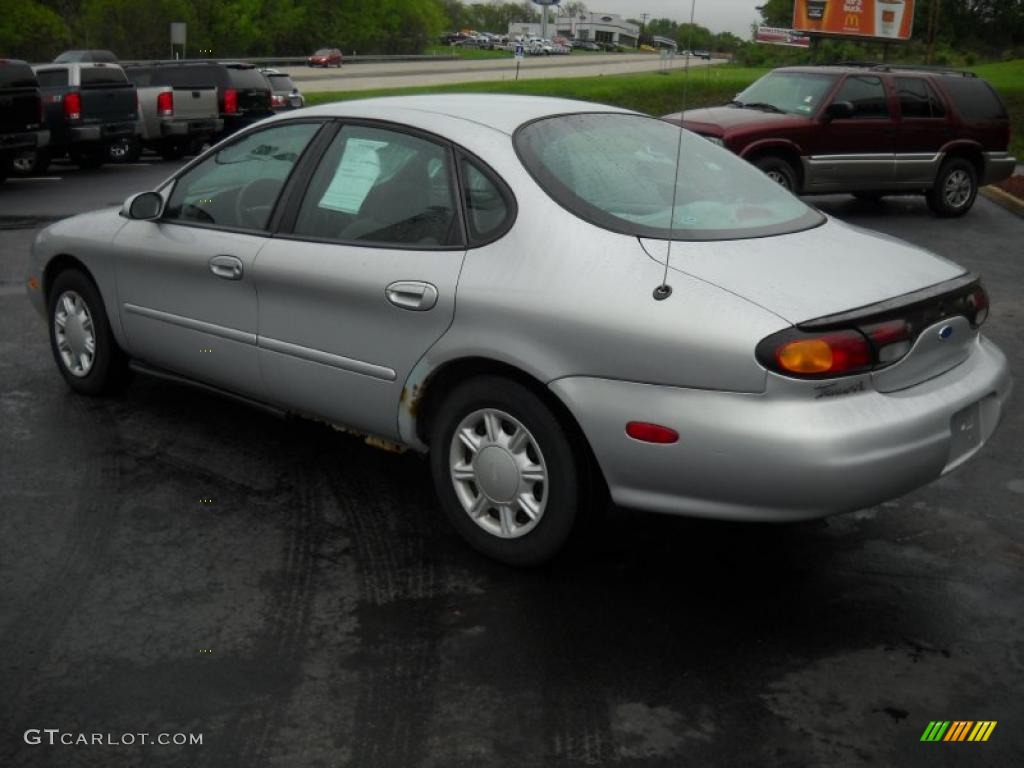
pixel 498 473
pixel 958 188
pixel 779 178
pixel 75 334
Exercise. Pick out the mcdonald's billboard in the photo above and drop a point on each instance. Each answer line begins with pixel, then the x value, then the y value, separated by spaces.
pixel 881 19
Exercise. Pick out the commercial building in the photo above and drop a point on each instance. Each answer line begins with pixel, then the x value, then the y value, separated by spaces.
pixel 595 27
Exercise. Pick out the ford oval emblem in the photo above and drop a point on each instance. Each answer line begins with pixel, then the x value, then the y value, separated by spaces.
pixel 945 332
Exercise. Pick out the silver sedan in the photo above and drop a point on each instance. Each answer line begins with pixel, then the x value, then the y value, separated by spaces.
pixel 558 301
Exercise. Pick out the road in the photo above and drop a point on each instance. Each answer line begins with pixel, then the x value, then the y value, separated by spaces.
pixel 172 562
pixel 388 74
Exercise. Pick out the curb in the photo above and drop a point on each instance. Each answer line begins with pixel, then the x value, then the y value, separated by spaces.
pixel 1004 199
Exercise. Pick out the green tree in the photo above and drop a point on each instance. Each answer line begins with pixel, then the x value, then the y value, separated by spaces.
pixel 31 31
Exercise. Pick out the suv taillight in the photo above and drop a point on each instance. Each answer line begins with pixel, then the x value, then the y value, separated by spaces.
pixel 165 104
pixel 73 106
pixel 231 101
pixel 278 101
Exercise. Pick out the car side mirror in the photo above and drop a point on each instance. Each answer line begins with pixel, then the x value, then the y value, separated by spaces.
pixel 145 206
pixel 838 110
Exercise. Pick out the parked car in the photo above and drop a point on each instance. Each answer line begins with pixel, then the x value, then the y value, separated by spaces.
pixel 73 57
pixel 243 93
pixel 89 107
pixel 21 115
pixel 404 268
pixel 325 57
pixel 870 130
pixel 284 94
pixel 174 120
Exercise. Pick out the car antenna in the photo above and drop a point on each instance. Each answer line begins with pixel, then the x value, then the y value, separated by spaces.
pixel 664 290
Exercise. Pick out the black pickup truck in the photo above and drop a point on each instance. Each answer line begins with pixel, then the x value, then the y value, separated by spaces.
pixel 89 107
pixel 21 114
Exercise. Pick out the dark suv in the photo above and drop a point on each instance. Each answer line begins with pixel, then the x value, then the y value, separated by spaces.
pixel 243 92
pixel 21 114
pixel 869 129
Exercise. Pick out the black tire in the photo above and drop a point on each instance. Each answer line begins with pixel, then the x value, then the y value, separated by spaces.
pixel 172 151
pixel 779 170
pixel 108 371
pixel 35 161
pixel 955 190
pixel 563 494
pixel 126 150
pixel 93 157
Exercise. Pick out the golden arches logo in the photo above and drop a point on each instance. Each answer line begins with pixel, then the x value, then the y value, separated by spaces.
pixel 852 20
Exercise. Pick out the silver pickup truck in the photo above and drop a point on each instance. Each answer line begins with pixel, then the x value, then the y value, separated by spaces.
pixel 174 120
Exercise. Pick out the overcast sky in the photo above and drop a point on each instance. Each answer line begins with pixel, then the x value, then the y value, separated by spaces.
pixel 717 15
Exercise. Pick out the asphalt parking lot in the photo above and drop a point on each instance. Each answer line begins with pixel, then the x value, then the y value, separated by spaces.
pixel 173 562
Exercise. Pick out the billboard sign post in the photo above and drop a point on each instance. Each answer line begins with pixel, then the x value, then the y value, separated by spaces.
pixel 888 20
pixel 178 34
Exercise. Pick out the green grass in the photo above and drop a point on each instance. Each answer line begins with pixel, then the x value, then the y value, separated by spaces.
pixel 659 94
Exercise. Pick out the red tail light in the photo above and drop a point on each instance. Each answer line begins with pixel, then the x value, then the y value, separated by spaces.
pixel 830 354
pixel 231 101
pixel 165 104
pixel 73 106
pixel 278 101
pixel 977 302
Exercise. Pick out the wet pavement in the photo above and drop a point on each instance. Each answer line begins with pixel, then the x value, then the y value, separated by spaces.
pixel 175 563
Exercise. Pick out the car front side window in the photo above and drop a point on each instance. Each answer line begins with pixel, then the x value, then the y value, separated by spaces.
pixel 381 186
pixel 238 186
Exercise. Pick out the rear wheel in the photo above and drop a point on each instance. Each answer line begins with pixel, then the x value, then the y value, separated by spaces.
pixel 80 337
pixel 89 157
pixel 778 170
pixel 505 471
pixel 31 161
pixel 955 190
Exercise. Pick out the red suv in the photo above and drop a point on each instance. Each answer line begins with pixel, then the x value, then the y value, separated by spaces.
pixel 869 129
pixel 325 57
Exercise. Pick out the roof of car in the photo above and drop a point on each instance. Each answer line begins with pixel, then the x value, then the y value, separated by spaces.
pixel 501 112
pixel 861 67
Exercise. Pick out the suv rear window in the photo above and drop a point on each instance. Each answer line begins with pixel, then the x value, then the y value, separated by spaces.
pixel 618 171
pixel 918 98
pixel 103 76
pixel 281 82
pixel 50 78
pixel 17 76
pixel 974 98
pixel 247 78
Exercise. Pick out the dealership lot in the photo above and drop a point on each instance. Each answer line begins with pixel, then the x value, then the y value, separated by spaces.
pixel 173 562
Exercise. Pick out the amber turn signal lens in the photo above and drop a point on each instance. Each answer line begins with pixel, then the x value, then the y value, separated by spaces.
pixel 805 356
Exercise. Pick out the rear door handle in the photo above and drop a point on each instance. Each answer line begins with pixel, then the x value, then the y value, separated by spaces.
pixel 227 267
pixel 412 294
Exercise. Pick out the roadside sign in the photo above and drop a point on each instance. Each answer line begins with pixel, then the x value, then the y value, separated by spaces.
pixel 778 36
pixel 881 19
pixel 520 51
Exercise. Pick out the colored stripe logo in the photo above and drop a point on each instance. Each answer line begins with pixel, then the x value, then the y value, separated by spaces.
pixel 958 730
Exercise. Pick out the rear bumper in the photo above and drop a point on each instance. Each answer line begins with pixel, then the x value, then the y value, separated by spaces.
pixel 998 166
pixel 784 456
pixel 81 134
pixel 187 128
pixel 24 140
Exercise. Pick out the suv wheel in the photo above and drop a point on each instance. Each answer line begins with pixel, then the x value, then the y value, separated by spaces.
pixel 505 471
pixel 93 157
pixel 955 190
pixel 778 170
pixel 83 346
pixel 31 161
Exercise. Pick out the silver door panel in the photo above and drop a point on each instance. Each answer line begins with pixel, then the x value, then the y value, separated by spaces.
pixel 839 173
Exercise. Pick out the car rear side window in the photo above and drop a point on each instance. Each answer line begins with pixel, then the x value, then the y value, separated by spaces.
pixel 238 186
pixel 247 78
pixel 867 94
pixel 381 186
pixel 52 78
pixel 17 76
pixel 974 99
pixel 918 99
pixel 102 76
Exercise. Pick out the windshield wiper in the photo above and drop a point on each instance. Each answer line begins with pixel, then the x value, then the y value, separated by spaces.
pixel 762 105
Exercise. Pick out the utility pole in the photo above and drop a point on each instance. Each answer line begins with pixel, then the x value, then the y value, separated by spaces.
pixel 933 19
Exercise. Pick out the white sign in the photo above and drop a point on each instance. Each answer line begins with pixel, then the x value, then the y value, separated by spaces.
pixel 356 174
pixel 178 30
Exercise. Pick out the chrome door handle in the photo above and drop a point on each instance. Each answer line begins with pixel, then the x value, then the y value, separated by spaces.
pixel 227 267
pixel 412 294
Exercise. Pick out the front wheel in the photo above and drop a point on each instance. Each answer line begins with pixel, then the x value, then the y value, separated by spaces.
pixel 778 170
pixel 955 190
pixel 80 337
pixel 505 471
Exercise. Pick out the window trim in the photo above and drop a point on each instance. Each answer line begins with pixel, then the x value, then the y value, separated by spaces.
pixel 168 187
pixel 287 229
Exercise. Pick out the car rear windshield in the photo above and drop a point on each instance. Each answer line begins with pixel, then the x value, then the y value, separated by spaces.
pixel 247 78
pixel 619 172
pixel 103 76
pixel 974 98
pixel 50 78
pixel 323 52
pixel 281 82
pixel 17 76
pixel 797 93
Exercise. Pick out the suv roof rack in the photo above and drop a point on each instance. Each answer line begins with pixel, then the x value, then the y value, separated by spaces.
pixel 885 67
